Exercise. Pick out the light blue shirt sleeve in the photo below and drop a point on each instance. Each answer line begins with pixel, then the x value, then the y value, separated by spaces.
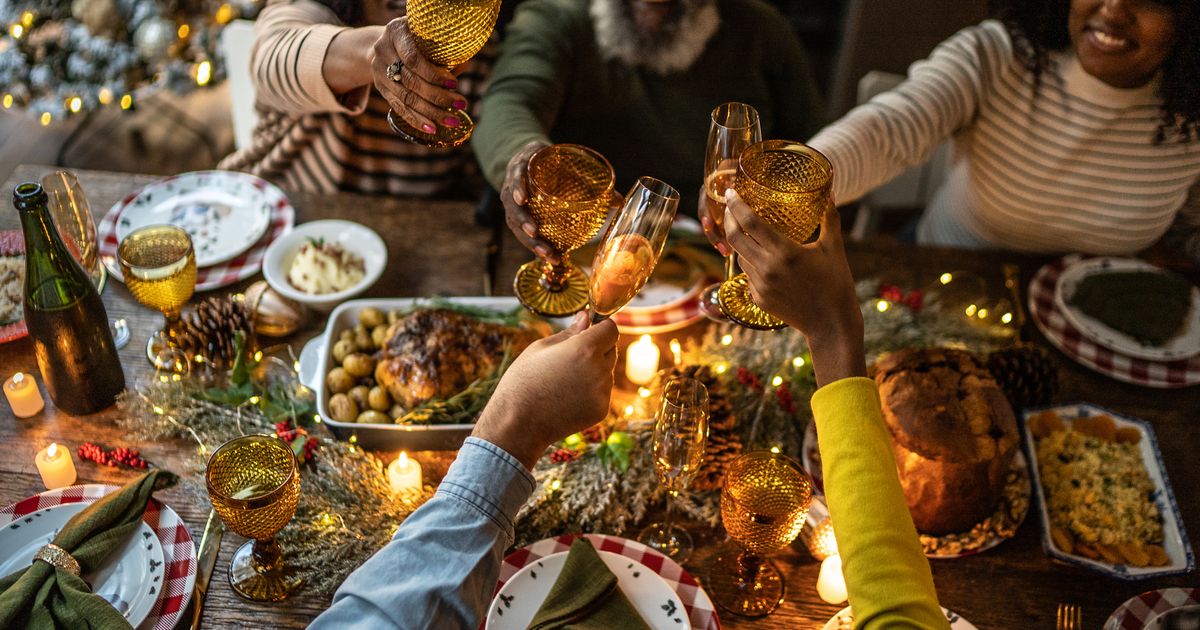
pixel 441 568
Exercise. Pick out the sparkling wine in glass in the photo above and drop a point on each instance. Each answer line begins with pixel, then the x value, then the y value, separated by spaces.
pixel 764 502
pixel 632 246
pixel 159 265
pixel 254 487
pixel 680 438
pixel 734 128
pixel 788 185
pixel 448 33
pixel 570 187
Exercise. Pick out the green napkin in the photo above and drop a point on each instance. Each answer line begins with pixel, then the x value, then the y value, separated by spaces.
pixel 42 596
pixel 1145 305
pixel 585 596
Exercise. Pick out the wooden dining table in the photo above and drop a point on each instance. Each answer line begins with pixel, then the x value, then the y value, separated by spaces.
pixel 437 248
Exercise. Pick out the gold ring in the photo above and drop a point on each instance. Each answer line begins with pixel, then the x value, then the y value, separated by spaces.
pixel 394 70
pixel 59 558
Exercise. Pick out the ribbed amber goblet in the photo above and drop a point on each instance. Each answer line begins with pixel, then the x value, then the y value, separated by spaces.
pixel 787 184
pixel 764 502
pixel 254 487
pixel 570 187
pixel 449 33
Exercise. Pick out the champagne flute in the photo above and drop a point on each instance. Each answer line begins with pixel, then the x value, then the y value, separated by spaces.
pixel 764 502
pixel 254 487
pixel 159 265
pixel 788 185
pixel 680 436
pixel 72 217
pixel 570 187
pixel 632 246
pixel 734 128
pixel 448 33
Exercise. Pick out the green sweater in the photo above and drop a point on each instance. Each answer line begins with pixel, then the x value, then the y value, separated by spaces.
pixel 550 83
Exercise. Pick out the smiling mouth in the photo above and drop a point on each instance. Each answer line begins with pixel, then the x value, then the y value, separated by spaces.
pixel 1107 42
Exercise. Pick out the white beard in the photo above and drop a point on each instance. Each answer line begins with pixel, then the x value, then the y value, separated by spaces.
pixel 673 49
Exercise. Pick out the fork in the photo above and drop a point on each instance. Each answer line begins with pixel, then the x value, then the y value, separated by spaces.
pixel 1070 617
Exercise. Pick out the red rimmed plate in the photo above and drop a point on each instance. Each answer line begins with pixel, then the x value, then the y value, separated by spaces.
pixel 701 612
pixel 12 243
pixel 244 265
pixel 1142 611
pixel 179 551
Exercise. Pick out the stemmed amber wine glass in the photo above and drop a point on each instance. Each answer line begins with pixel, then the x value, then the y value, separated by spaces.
pixel 632 246
pixel 734 128
pixel 570 187
pixel 788 185
pixel 159 265
pixel 764 502
pixel 680 438
pixel 448 33
pixel 73 219
pixel 254 486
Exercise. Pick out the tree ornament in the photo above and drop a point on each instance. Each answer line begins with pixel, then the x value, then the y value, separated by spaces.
pixel 101 17
pixel 274 314
pixel 154 37
pixel 1027 374
pixel 210 329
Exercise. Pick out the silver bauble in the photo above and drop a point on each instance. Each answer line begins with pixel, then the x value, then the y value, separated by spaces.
pixel 154 38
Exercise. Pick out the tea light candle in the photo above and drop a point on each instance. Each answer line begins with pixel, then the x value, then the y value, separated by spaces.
pixel 404 475
pixel 831 585
pixel 56 466
pixel 641 361
pixel 23 395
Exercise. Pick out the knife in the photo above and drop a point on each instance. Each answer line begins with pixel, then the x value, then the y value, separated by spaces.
pixel 210 546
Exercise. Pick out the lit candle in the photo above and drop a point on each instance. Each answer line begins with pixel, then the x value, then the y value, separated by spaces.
pixel 831 586
pixel 23 395
pixel 56 466
pixel 676 352
pixel 404 475
pixel 641 361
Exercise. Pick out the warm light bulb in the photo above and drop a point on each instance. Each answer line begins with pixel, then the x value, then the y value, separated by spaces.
pixel 75 104
pixel 1006 318
pixel 777 381
pixel 556 484
pixel 676 352
pixel 775 449
pixel 17 31
pixel 971 309
pixel 946 278
pixel 8 101
pixel 104 96
pixel 643 392
pixel 46 118
pixel 203 73
pixel 224 14
pixel 184 29
pixel 126 101
pixel 798 362
pixel 882 306
pixel 726 340
pixel 27 19
pixel 721 368
pixel 983 313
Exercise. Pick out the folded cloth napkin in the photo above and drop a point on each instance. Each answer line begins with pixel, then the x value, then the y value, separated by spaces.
pixel 1146 305
pixel 44 596
pixel 585 596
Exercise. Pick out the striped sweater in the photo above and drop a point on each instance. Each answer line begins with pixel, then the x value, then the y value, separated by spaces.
pixel 1070 166
pixel 310 139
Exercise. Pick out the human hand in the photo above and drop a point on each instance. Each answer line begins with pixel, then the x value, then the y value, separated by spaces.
pixel 558 386
pixel 712 224
pixel 515 195
pixel 809 286
pixel 421 92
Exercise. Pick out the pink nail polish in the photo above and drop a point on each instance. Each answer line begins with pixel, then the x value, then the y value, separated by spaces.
pixel 428 128
pixel 450 121
pixel 724 250
pixel 450 84
pixel 459 105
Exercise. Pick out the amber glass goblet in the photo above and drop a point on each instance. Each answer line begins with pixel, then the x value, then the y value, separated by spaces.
pixel 733 129
pixel 570 187
pixel 787 184
pixel 632 246
pixel 254 487
pixel 448 33
pixel 764 503
pixel 159 265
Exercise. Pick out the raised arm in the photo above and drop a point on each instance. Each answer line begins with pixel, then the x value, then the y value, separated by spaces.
pixel 901 128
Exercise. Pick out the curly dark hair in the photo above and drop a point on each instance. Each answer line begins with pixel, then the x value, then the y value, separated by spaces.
pixel 1040 26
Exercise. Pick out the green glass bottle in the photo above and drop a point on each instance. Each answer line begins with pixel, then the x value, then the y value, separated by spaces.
pixel 65 316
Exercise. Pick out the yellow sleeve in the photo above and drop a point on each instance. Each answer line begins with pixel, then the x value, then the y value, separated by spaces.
pixel 887 575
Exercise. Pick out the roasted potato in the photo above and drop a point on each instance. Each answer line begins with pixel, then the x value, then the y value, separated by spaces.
pixel 339 380
pixel 342 408
pixel 371 317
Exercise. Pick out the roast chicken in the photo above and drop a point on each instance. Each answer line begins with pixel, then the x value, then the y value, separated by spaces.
pixel 434 353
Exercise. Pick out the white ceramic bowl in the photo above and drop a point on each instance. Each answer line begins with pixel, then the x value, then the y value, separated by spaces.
pixel 353 237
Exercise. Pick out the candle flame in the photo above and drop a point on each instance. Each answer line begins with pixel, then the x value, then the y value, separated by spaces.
pixel 52 451
pixel 18 379
pixel 403 459
pixel 677 352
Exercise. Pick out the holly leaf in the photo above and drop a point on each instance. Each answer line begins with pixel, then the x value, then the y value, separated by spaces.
pixel 613 457
pixel 298 446
pixel 232 396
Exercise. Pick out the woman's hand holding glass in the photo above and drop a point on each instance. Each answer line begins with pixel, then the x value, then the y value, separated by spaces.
pixel 419 91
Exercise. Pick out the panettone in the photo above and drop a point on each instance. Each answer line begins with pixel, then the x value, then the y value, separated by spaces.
pixel 953 432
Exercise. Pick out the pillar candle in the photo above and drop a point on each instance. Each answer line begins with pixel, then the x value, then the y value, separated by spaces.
pixel 831 586
pixel 404 475
pixel 56 466
pixel 641 361
pixel 23 395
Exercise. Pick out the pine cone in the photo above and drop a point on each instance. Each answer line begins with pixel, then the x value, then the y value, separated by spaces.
pixel 720 452
pixel 1027 374
pixel 210 329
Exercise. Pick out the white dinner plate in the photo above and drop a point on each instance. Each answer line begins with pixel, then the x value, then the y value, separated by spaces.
pixel 518 601
pixel 224 212
pixel 835 622
pixel 1185 343
pixel 125 579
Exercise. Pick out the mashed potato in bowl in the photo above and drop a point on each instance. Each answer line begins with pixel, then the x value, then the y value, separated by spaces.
pixel 322 267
